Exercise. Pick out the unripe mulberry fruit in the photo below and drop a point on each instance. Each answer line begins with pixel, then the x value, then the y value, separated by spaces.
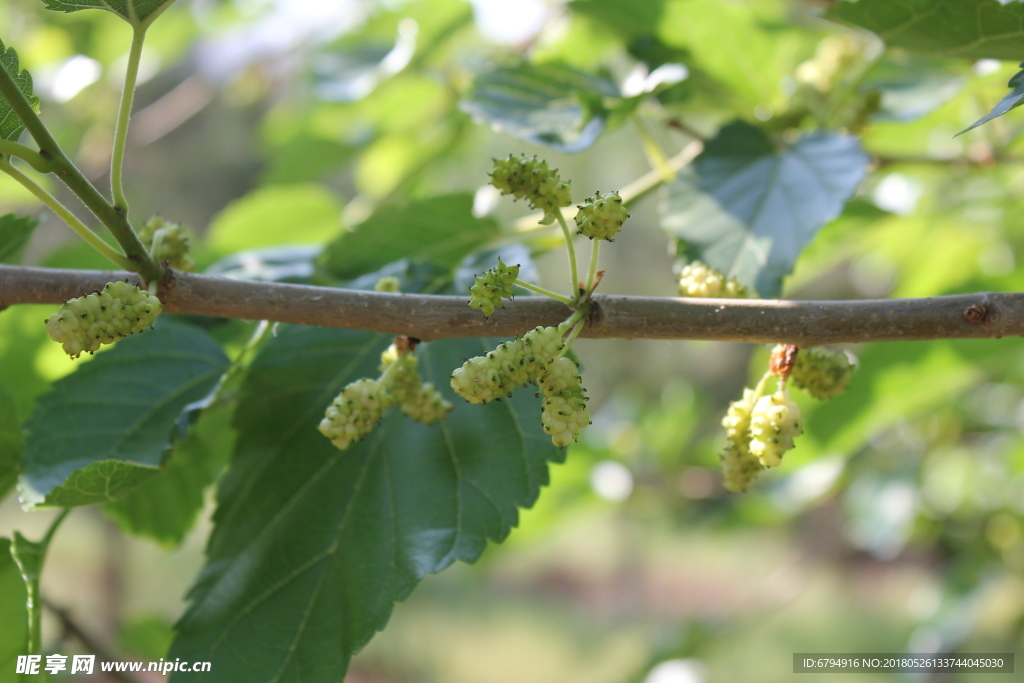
pixel 562 376
pixel 601 216
pixel 564 418
pixel 166 241
pixel 479 380
pixel 821 372
pixel 512 364
pixel 774 423
pixel 532 180
pixel 739 466
pixel 700 280
pixel 425 405
pixel 538 348
pixel 388 284
pixel 355 412
pixel 419 401
pixel 82 325
pixel 491 287
pixel 564 411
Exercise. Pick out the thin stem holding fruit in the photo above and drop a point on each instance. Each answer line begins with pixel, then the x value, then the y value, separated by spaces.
pixel 546 292
pixel 124 113
pixel 595 250
pixel 573 275
pixel 65 215
pixel 577 328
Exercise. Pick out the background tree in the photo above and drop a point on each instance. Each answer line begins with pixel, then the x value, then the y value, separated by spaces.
pixel 810 150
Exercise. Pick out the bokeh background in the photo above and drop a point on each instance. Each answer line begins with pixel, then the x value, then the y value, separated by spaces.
pixel 894 526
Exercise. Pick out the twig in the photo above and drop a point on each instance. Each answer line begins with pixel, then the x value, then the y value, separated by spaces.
pixel 804 323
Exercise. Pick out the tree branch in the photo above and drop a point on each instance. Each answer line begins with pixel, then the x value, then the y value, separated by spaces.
pixel 426 317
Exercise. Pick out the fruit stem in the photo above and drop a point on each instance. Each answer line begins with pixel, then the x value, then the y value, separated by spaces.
pixel 546 292
pixel 573 275
pixel 577 328
pixel 595 249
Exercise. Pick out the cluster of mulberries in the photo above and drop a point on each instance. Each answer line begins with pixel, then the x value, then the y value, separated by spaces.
pixel 821 372
pixel 759 431
pixel 601 216
pixel 534 358
pixel 532 180
pixel 166 241
pixel 700 280
pixel 489 288
pixel 420 401
pixel 360 406
pixel 82 325
pixel 355 412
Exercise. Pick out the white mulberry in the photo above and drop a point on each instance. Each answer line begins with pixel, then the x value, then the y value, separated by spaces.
pixel 821 372
pixel 419 401
pixel 82 325
pixel 491 287
pixel 700 280
pixel 512 364
pixel 167 241
pixel 355 412
pixel 532 180
pixel 739 466
pixel 774 423
pixel 601 216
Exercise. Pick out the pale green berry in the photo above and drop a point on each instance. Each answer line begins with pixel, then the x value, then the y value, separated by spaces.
pixel 479 380
pixel 563 418
pixel 167 241
pixel 739 466
pixel 421 402
pixel 388 284
pixel 354 412
pixel 425 405
pixel 700 280
pixel 774 423
pixel 532 180
pixel 84 324
pixel 821 372
pixel 538 348
pixel 491 287
pixel 561 376
pixel 601 216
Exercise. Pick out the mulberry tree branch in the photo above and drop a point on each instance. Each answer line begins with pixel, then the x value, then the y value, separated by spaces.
pixel 804 323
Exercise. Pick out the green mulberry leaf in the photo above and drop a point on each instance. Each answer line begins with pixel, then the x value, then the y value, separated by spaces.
pixel 135 12
pixel 546 104
pixel 15 232
pixel 972 29
pixel 312 546
pixel 748 207
pixel 1011 101
pixel 107 428
pixel 11 124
